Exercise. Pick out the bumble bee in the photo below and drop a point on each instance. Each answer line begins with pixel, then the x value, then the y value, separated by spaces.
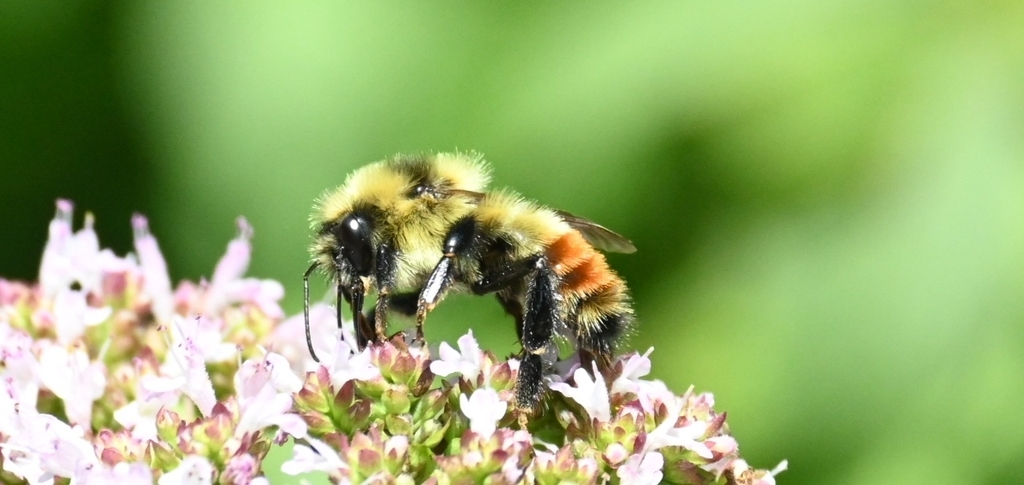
pixel 417 228
pixel 379 231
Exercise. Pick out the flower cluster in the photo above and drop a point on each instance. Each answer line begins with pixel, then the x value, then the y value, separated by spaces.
pixel 110 372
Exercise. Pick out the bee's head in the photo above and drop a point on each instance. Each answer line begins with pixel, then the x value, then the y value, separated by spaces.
pixel 353 236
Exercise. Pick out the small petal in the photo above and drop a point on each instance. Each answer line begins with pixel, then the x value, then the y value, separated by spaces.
pixel 72 314
pixel 347 366
pixel 230 268
pixel 589 392
pixel 642 470
pixel 484 409
pixel 193 470
pixel 74 379
pixel 156 280
pixel 188 364
pixel 635 367
pixel 318 456
pixel 465 362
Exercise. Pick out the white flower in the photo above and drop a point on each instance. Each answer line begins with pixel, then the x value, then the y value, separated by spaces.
pixel 635 367
pixel 193 470
pixel 260 404
pixel 205 333
pixel 590 393
pixel 466 361
pixel 227 286
pixel 186 368
pixel 484 409
pixel 641 470
pixel 71 314
pixel 289 337
pixel 101 474
pixel 74 379
pixel 346 365
pixel 139 416
pixel 156 281
pixel 667 434
pixel 318 456
pixel 44 447
pixel 20 378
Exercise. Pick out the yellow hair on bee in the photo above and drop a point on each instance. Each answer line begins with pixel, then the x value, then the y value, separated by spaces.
pixel 466 171
pixel 531 226
pixel 382 184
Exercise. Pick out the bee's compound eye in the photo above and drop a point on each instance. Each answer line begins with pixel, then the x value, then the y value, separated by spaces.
pixel 355 234
pixel 420 190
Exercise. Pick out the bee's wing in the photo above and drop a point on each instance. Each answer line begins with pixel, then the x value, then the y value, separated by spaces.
pixel 601 237
pixel 476 196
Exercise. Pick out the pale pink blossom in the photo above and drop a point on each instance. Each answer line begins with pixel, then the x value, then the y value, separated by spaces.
pixel 590 392
pixel 615 453
pixel 185 368
pixel 73 378
pixel 55 270
pixel 241 469
pixel 667 434
pixel 484 409
pixel 317 456
pixel 466 361
pixel 641 469
pixel 261 405
pixel 156 280
pixel 101 474
pixel 72 314
pixel 227 286
pixel 44 447
pixel 346 365
pixel 635 367
pixel 289 338
pixel 206 334
pixel 153 393
pixel 727 448
pixel 21 369
pixel 193 470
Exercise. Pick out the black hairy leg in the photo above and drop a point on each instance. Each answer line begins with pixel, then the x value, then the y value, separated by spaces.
pixel 542 316
pixel 459 242
pixel 384 273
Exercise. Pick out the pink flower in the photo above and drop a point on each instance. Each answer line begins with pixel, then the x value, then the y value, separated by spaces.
pixel 590 392
pixel 241 469
pixel 484 409
pixel 641 469
pixel 265 397
pixel 465 362
pixel 74 379
pixel 156 280
pixel 227 286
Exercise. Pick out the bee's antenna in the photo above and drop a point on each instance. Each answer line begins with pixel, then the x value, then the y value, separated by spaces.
pixel 305 307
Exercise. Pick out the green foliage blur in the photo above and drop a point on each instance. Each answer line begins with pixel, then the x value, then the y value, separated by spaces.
pixel 827 197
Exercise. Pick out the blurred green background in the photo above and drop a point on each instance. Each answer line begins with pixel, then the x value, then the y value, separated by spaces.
pixel 827 197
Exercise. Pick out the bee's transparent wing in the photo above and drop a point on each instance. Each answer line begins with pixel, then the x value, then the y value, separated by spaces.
pixel 601 237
